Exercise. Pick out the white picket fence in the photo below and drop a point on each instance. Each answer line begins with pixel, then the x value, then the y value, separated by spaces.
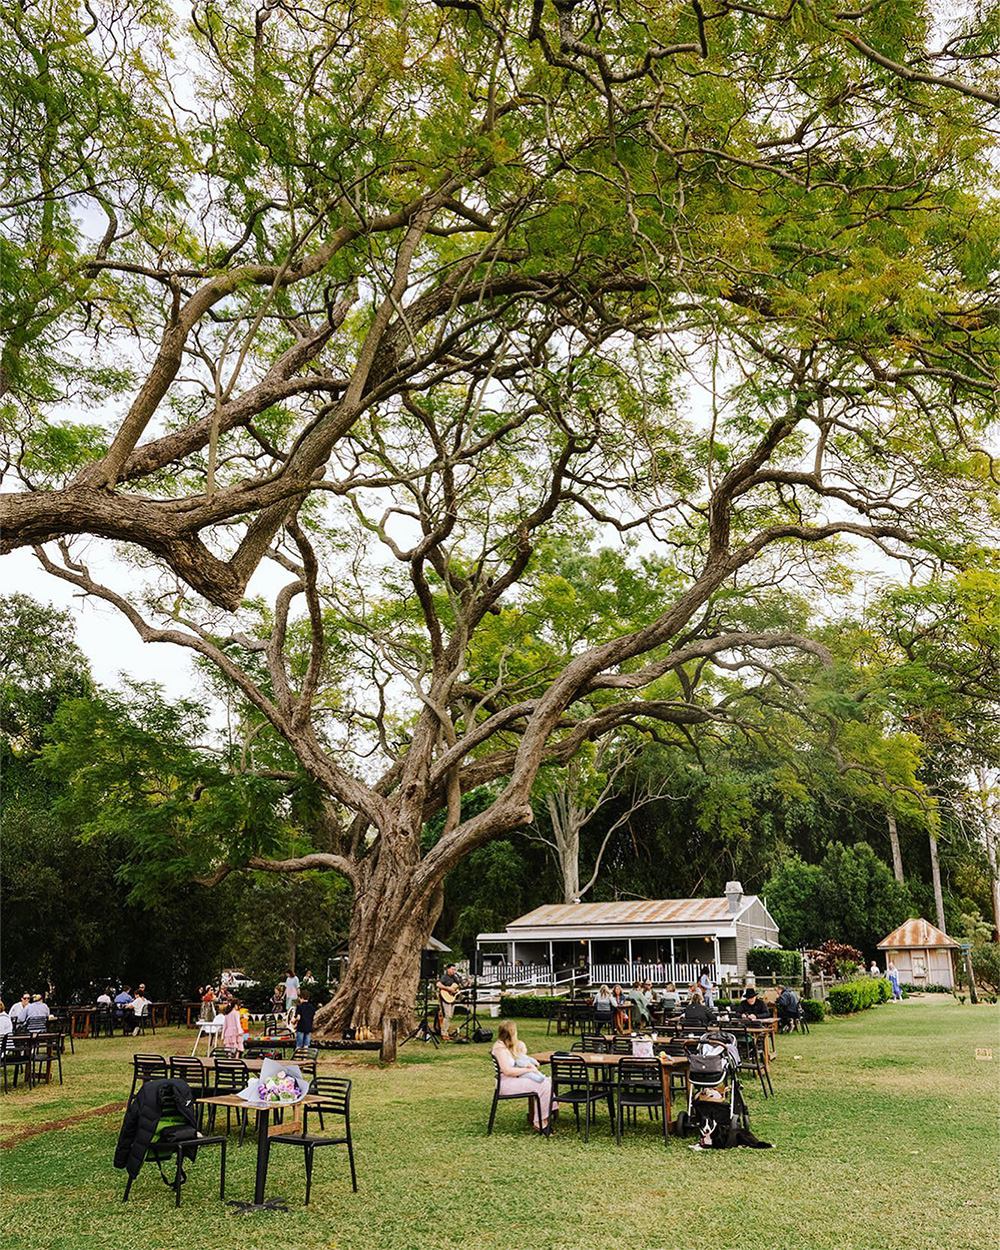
pixel 625 974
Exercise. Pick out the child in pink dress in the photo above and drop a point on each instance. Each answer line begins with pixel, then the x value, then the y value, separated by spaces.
pixel 232 1030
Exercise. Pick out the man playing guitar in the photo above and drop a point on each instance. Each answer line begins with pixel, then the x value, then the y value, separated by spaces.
pixel 449 987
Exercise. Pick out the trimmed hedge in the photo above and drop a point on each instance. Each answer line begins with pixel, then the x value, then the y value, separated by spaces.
pixel 764 961
pixel 529 1006
pixel 813 1010
pixel 858 995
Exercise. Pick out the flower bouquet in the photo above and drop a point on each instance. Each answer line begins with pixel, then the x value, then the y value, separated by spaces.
pixel 278 1085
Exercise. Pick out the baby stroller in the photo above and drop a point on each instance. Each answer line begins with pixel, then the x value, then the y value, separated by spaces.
pixel 714 1085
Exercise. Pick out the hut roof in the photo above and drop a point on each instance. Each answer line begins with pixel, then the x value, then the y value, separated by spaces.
pixel 916 933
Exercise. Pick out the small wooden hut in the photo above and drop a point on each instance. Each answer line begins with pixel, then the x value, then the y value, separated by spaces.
pixel 922 954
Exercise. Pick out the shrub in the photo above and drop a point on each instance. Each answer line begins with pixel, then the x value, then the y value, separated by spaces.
pixel 764 961
pixel 831 953
pixel 924 989
pixel 858 995
pixel 529 1006
pixel 813 1010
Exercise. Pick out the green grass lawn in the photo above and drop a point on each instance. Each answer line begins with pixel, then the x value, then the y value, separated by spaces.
pixel 885 1128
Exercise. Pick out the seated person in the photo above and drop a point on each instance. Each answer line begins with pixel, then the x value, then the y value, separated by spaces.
pixel 518 1080
pixel 751 1005
pixel 696 1012
pixel 604 1006
pixel 670 998
pixel 636 996
pixel 787 1004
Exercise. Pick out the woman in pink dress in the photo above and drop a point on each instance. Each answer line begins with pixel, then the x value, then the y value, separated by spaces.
pixel 516 1078
pixel 232 1030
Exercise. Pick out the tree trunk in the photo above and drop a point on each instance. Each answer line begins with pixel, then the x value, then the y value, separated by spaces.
pixel 570 864
pixel 897 857
pixel 390 926
pixel 936 878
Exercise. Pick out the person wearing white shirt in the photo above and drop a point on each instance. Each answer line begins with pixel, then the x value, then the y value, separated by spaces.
pixel 17 1011
pixel 105 998
pixel 5 1024
pixel 36 1015
pixel 291 990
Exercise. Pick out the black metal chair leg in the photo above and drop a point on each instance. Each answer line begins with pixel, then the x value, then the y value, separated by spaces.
pixel 350 1155
pixel 493 1112
pixel 309 1171
pixel 128 1186
pixel 222 1174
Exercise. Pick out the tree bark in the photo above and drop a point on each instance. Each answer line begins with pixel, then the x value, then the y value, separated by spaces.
pixel 897 857
pixel 936 878
pixel 391 923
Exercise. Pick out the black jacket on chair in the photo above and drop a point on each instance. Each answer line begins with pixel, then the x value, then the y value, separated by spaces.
pixel 143 1116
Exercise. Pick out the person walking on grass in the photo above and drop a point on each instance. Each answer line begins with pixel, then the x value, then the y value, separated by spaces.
pixel 291 990
pixel 304 1018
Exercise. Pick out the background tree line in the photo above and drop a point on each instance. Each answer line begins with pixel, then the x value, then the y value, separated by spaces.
pixel 99 875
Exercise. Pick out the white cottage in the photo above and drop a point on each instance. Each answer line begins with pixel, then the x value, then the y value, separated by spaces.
pixel 656 939
pixel 922 954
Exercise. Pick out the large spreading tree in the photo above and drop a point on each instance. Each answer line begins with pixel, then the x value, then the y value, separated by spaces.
pixel 405 304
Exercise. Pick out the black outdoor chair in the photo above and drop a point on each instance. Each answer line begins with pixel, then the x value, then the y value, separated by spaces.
pixel 16 1055
pixel 104 1023
pixel 531 1094
pixel 189 1069
pixel 229 1076
pixel 751 1048
pixel 147 1068
pixel 46 1052
pixel 304 1058
pixel 640 1084
pixel 335 1091
pixel 792 1021
pixel 595 1044
pixel 678 1078
pixel 144 1020
pixel 571 1083
pixel 621 1045
pixel 162 1151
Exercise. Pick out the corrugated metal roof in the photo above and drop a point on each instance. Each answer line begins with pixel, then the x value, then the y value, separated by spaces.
pixel 916 933
pixel 638 911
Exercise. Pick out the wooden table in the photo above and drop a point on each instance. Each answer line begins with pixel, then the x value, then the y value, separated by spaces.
pixel 260 1203
pixel 668 1064
pixel 252 1065
pixel 80 1021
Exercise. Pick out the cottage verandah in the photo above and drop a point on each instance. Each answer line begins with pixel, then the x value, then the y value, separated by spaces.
pixel 659 940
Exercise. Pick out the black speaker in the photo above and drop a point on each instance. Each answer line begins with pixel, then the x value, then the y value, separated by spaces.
pixel 428 965
pixel 483 1035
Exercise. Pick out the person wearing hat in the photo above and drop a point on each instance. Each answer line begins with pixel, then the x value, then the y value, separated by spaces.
pixel 752 1005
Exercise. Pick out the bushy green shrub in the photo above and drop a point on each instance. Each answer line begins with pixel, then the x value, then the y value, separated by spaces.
pixel 813 1010
pixel 529 1006
pixel 857 995
pixel 924 989
pixel 764 961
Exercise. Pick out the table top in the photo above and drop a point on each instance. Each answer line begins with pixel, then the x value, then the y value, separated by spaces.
pixel 599 1059
pixel 252 1065
pixel 234 1100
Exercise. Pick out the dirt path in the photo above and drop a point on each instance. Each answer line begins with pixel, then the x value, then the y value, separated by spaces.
pixel 49 1125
